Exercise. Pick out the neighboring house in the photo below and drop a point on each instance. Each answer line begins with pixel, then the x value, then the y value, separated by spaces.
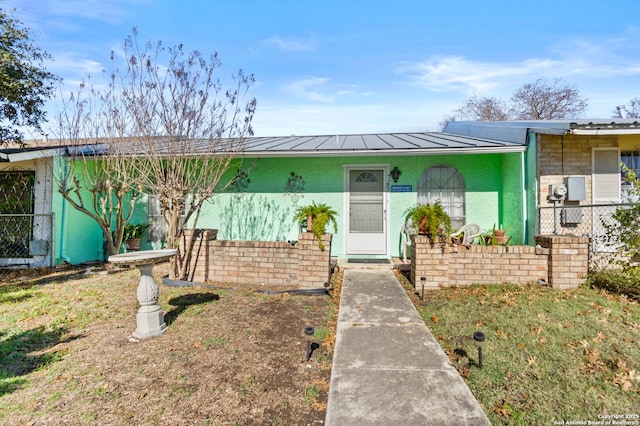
pixel 26 219
pixel 581 156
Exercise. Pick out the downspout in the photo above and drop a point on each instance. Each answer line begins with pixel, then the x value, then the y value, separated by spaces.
pixel 524 198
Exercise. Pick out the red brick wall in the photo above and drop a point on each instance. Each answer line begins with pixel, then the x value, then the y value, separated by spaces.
pixel 560 261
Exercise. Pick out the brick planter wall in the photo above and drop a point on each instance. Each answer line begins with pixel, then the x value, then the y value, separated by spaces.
pixel 200 253
pixel 272 263
pixel 314 265
pixel 253 262
pixel 559 260
pixel 568 259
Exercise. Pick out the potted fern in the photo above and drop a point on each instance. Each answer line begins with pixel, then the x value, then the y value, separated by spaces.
pixel 317 217
pixel 133 235
pixel 430 220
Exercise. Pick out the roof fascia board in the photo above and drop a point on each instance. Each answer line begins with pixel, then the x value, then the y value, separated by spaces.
pixel 32 155
pixel 594 132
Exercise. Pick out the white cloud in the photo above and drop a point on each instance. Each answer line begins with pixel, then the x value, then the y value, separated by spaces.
pixel 446 73
pixel 69 63
pixel 317 89
pixel 114 11
pixel 292 44
pixel 575 57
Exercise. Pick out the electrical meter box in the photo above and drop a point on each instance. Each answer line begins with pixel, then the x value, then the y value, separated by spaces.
pixel 576 189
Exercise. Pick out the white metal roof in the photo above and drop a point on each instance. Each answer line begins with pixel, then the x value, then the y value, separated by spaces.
pixel 515 131
pixel 393 144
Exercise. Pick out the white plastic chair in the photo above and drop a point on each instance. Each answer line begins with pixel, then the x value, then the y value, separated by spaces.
pixel 406 231
pixel 470 231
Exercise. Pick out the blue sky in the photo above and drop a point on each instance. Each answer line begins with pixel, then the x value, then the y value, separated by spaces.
pixel 341 67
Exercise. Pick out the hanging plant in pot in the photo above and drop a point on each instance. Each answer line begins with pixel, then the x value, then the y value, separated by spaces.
pixel 317 217
pixel 430 220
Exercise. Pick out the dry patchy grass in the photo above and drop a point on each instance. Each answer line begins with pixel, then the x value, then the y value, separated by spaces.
pixel 228 357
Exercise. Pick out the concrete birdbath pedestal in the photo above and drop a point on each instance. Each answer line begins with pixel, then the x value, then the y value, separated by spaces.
pixel 150 319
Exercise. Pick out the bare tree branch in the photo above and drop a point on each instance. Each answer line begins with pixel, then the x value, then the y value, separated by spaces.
pixel 539 100
pixel 179 128
pixel 630 110
pixel 542 100
pixel 93 179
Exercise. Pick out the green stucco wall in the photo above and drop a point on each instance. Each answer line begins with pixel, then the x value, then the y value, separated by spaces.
pixel 264 211
pixel 511 198
pixel 234 215
pixel 78 238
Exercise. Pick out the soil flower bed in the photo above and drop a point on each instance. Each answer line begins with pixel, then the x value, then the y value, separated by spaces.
pixel 230 356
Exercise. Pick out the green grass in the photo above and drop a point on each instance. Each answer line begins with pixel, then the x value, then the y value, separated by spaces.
pixel 320 334
pixel 310 394
pixel 247 386
pixel 549 355
pixel 215 341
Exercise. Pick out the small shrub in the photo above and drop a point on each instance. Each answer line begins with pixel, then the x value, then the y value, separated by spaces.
pixel 622 229
pixel 625 282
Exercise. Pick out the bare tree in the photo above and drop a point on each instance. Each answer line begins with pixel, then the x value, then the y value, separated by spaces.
pixel 630 110
pixel 542 100
pixel 181 129
pixel 164 126
pixel 484 109
pixel 94 179
pixel 479 109
pixel 539 100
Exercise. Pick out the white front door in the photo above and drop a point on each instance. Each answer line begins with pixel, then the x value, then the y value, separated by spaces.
pixel 366 206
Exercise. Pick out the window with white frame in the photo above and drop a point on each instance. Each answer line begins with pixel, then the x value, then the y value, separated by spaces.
pixel 158 226
pixel 444 184
pixel 631 159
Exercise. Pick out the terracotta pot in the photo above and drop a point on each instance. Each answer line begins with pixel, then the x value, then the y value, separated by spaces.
pixel 309 223
pixel 422 227
pixel 499 232
pixel 501 239
pixel 133 243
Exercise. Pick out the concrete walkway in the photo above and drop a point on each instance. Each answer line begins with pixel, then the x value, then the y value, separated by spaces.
pixel 388 368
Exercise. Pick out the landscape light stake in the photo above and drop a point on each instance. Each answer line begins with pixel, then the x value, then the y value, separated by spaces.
pixel 478 336
pixel 423 280
pixel 308 335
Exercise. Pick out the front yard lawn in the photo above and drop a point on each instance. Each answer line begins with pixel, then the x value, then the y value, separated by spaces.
pixel 549 355
pixel 228 357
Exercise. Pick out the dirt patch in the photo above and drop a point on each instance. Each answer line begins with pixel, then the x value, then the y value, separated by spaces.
pixel 228 357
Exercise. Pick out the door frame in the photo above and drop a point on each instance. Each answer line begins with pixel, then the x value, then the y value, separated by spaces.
pixel 386 221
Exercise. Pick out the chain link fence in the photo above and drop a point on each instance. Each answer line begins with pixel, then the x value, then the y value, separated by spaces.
pixel 26 236
pixel 583 220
